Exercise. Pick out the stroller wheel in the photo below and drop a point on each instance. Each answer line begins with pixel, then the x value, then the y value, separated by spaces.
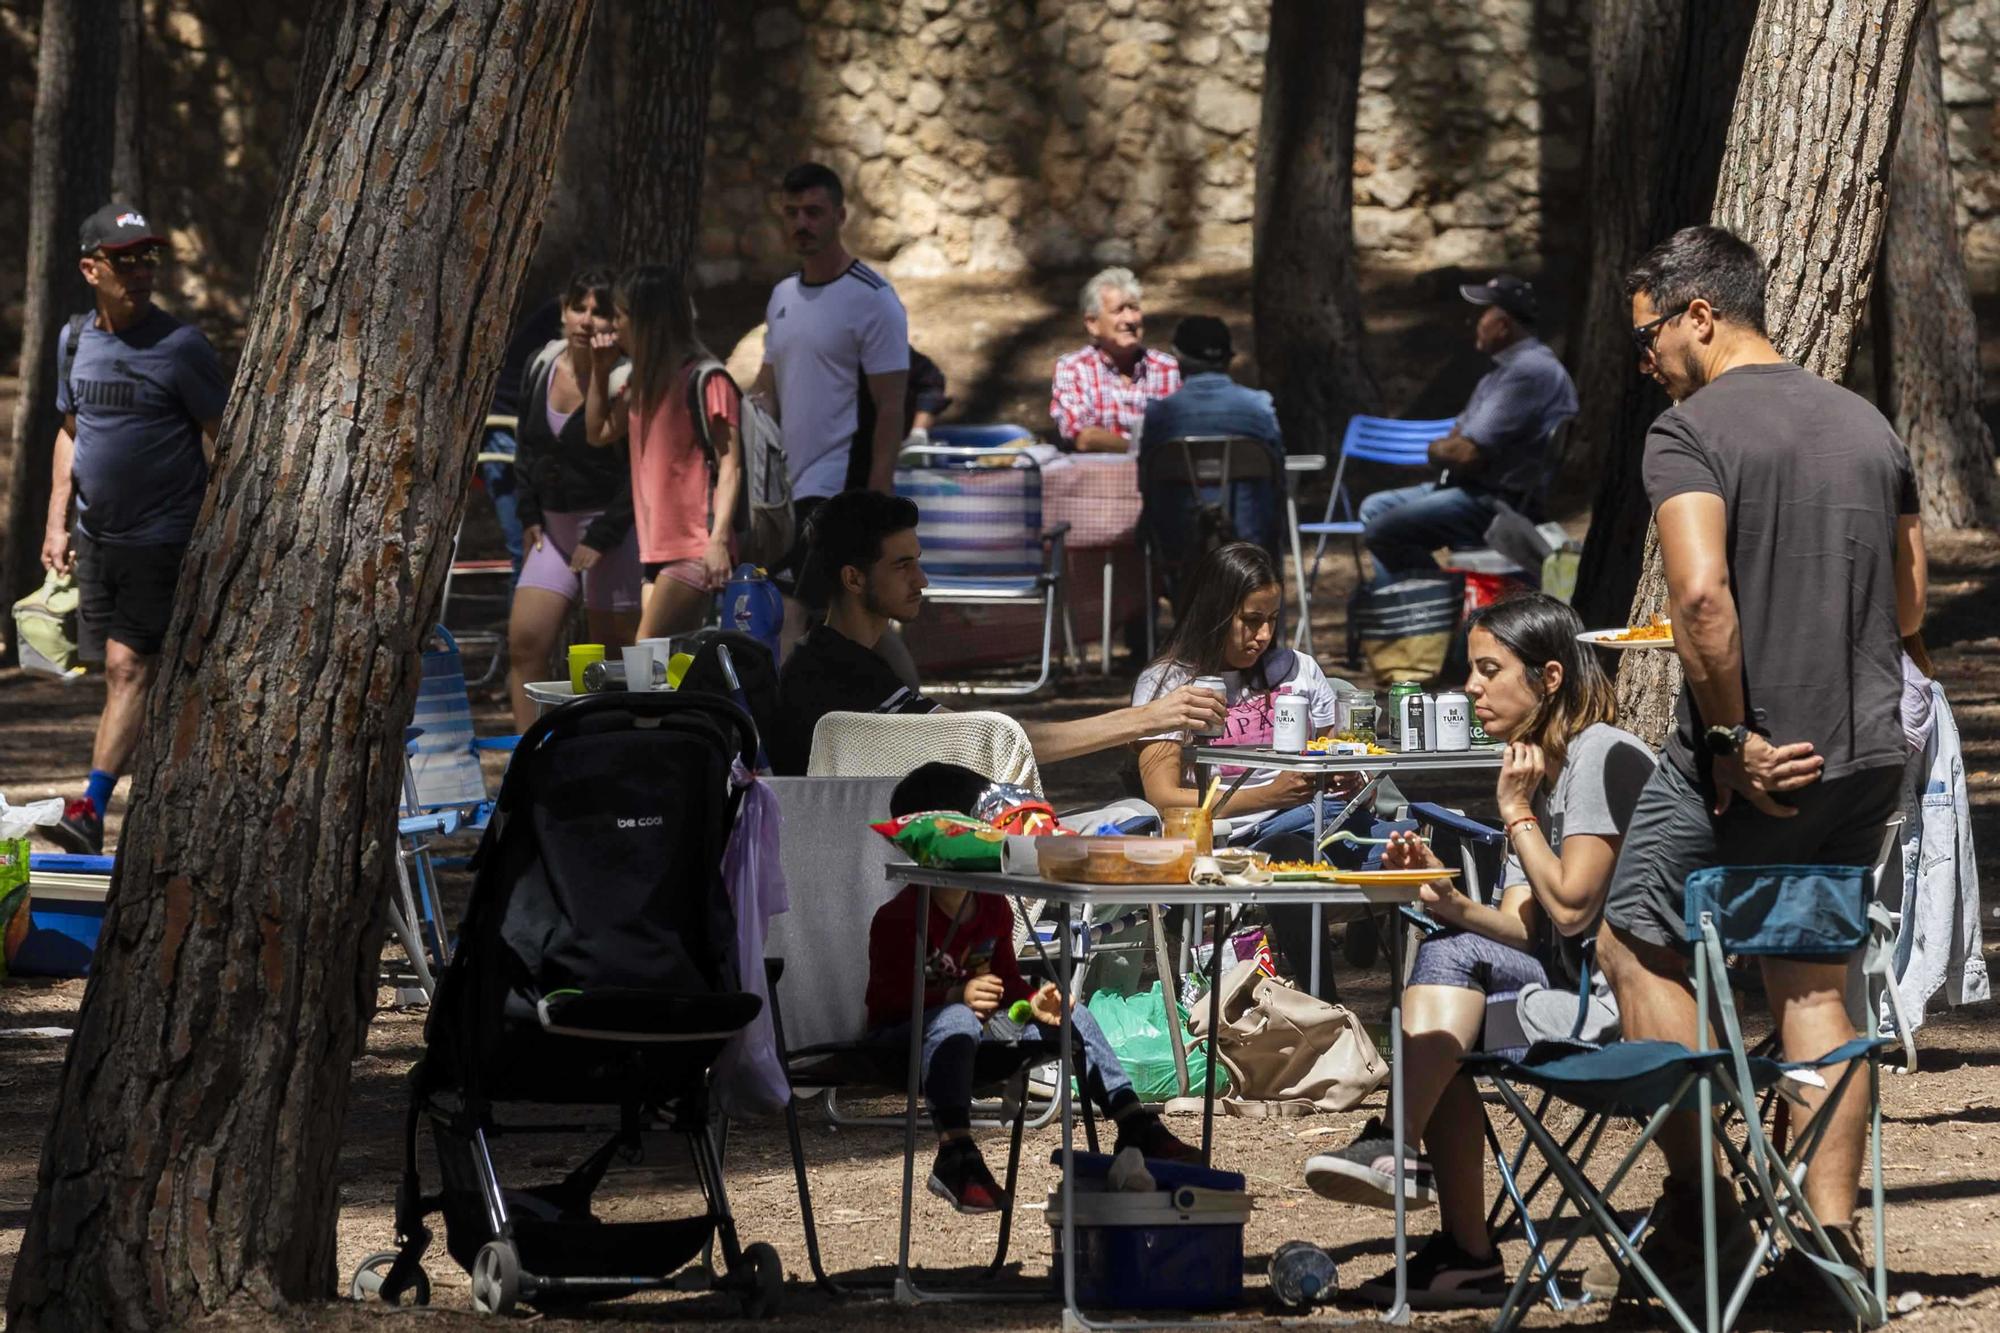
pixel 367 1283
pixel 496 1278
pixel 763 1281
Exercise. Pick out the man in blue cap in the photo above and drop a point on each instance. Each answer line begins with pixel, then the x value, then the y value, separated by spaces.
pixel 141 396
pixel 1495 451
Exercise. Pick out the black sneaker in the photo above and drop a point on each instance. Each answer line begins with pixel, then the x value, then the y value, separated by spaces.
pixel 80 830
pixel 1443 1276
pixel 1146 1132
pixel 1364 1172
pixel 959 1177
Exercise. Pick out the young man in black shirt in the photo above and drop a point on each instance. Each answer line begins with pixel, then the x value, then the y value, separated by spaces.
pixel 866 543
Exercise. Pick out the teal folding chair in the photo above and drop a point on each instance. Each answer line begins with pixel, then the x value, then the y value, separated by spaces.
pixel 1748 912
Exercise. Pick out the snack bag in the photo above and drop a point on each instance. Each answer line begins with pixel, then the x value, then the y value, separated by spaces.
pixel 945 840
pixel 1012 808
pixel 13 897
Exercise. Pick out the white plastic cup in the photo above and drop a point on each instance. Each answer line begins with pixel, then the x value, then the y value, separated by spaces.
pixel 638 666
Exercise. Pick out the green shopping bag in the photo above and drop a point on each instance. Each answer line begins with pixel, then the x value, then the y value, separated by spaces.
pixel 1135 1026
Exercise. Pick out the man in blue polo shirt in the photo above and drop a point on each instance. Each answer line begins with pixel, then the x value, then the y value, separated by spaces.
pixel 1495 451
pixel 141 396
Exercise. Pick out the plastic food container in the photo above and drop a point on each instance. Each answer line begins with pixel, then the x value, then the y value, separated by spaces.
pixel 1112 860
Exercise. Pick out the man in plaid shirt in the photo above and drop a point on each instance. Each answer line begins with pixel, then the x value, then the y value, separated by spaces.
pixel 1099 396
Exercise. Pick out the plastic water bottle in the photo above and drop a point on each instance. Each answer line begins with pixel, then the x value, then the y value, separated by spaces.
pixel 1302 1275
pixel 752 605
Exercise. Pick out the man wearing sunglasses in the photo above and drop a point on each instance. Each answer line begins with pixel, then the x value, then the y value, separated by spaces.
pixel 1495 451
pixel 1794 560
pixel 141 396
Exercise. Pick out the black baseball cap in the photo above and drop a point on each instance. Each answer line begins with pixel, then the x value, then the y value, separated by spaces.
pixel 1203 338
pixel 116 227
pixel 1511 294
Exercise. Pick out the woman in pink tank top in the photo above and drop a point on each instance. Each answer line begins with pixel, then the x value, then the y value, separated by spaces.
pixel 685 472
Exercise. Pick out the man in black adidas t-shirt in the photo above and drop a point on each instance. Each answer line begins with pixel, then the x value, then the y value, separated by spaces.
pixel 867 545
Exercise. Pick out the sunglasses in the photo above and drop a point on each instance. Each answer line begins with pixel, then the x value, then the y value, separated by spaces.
pixel 1644 334
pixel 127 261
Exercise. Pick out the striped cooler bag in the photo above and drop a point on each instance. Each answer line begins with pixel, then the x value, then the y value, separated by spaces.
pixel 1406 628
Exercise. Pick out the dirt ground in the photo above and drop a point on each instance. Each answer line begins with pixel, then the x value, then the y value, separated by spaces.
pixel 1942 1126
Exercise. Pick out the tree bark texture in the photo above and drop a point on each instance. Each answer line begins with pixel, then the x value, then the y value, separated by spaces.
pixel 1307 297
pixel 192 1165
pixel 663 57
pixel 1927 340
pixel 1802 179
pixel 128 149
pixel 74 131
pixel 1664 74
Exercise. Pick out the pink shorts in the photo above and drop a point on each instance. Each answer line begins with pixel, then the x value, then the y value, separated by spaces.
pixel 610 585
pixel 690 572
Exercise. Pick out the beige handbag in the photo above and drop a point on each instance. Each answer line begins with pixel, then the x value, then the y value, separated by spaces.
pixel 1288 1053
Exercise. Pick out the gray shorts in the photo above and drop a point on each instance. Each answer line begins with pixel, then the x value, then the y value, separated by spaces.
pixel 1672 835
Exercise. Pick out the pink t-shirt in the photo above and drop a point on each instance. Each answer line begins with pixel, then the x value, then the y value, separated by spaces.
pixel 670 480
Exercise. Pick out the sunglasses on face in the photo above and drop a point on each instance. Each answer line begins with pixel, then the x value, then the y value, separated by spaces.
pixel 1644 334
pixel 128 261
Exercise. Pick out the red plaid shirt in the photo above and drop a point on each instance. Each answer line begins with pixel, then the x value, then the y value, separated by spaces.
pixel 1089 391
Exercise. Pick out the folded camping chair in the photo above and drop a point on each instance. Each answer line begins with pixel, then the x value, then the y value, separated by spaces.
pixel 1747 911
pixel 984 542
pixel 817 956
pixel 1214 464
pixel 444 795
pixel 495 574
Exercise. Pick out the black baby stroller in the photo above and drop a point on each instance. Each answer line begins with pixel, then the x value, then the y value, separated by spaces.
pixel 596 966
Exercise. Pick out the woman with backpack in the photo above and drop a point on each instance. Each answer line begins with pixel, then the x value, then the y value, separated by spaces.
pixel 574 504
pixel 686 467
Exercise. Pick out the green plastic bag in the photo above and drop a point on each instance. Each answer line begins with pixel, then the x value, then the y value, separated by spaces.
pixel 13 897
pixel 1135 1025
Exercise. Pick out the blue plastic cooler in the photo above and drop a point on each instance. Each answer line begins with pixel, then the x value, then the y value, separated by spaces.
pixel 1179 1247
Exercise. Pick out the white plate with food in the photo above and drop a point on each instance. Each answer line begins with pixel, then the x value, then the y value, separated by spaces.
pixel 1632 636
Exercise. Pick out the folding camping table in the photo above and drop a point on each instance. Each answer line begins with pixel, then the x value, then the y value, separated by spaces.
pixel 1068 897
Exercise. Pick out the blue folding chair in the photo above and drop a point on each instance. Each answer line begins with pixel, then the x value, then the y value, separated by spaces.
pixel 1369 440
pixel 444 794
pixel 1747 911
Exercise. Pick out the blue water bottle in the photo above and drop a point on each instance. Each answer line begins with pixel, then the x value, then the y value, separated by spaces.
pixel 752 605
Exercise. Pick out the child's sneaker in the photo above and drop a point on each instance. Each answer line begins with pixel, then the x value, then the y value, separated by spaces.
pixel 1364 1172
pixel 959 1177
pixel 1146 1132
pixel 1443 1277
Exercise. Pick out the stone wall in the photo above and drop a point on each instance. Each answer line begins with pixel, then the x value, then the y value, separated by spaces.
pixel 996 135
pixel 999 135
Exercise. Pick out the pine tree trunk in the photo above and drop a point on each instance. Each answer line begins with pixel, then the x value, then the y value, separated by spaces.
pixel 192 1166
pixel 662 64
pixel 1927 340
pixel 1665 75
pixel 1307 295
pixel 1802 180
pixel 128 149
pixel 74 130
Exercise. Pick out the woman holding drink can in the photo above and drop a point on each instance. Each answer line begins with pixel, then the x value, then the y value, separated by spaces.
pixel 1502 976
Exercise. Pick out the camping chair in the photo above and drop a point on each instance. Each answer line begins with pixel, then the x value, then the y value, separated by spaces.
pixel 1747 911
pixel 817 955
pixel 484 572
pixel 1216 463
pixel 444 795
pixel 983 539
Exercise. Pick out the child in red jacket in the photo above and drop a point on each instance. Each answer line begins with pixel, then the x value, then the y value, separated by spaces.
pixel 971 979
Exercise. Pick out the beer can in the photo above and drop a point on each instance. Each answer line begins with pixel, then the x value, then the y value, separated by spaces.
pixel 1454 728
pixel 1219 686
pixel 1291 723
pixel 1479 736
pixel 1414 730
pixel 1398 692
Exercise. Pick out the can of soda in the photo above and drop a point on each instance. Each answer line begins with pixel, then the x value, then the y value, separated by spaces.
pixel 1218 685
pixel 1291 725
pixel 1454 728
pixel 1479 736
pixel 1398 692
pixel 1413 731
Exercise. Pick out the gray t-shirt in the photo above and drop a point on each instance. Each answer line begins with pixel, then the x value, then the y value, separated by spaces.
pixel 140 397
pixel 1510 415
pixel 1814 480
pixel 1594 794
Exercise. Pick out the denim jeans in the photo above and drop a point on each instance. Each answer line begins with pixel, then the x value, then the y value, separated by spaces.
pixel 1404 526
pixel 951 1031
pixel 498 478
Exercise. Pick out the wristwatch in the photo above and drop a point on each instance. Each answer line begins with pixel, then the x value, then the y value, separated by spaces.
pixel 1726 742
